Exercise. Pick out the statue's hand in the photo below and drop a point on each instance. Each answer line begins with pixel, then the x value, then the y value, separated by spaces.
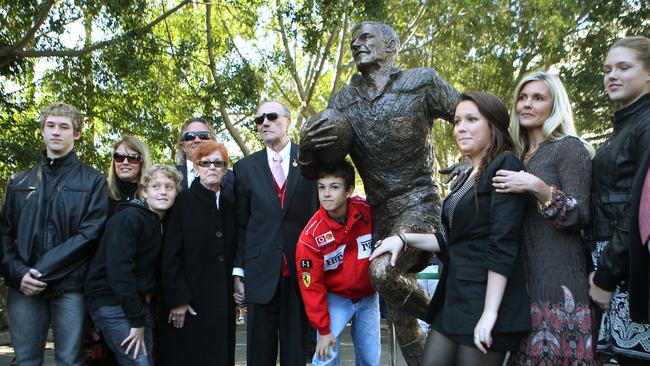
pixel 315 134
pixel 457 173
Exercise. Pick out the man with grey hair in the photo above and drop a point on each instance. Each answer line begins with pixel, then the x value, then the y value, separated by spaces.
pixel 274 203
pixel 194 131
pixel 391 113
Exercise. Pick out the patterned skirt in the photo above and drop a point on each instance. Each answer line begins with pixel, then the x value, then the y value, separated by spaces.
pixel 561 335
pixel 619 335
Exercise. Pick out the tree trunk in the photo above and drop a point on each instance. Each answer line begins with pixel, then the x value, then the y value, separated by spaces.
pixel 89 87
pixel 215 79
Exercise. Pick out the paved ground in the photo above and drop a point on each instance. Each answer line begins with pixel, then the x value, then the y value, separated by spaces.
pixel 347 353
pixel 347 350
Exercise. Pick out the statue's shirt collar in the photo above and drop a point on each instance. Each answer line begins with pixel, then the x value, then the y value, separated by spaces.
pixel 357 83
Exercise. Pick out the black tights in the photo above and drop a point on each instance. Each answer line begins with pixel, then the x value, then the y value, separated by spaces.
pixel 442 351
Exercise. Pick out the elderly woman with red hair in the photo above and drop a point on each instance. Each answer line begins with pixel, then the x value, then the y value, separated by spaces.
pixel 197 325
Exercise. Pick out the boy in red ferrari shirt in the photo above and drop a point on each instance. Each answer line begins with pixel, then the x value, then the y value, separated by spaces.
pixel 332 261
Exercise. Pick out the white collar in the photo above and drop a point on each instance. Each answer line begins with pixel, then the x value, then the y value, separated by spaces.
pixel 285 153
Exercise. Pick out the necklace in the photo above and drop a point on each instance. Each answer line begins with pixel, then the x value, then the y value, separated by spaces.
pixel 530 154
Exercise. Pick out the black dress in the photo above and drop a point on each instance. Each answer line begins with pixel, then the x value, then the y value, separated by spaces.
pixel 481 233
pixel 197 262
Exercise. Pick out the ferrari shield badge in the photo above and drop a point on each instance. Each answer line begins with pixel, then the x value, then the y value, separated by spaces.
pixel 306 279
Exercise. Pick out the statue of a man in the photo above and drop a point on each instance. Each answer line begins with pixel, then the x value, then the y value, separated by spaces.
pixel 391 113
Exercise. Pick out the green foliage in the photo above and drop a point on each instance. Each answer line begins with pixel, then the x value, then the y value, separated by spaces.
pixel 601 24
pixel 148 81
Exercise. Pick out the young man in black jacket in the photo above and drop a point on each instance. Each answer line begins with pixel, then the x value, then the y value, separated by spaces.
pixel 123 275
pixel 50 221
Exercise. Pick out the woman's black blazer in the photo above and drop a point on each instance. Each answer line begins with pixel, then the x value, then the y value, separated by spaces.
pixel 485 236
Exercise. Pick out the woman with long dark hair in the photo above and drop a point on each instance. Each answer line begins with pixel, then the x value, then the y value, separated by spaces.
pixel 480 309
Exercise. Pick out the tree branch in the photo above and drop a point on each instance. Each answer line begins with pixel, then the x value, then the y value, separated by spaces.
pixel 276 83
pixel 292 63
pixel 410 30
pixel 232 39
pixel 339 55
pixel 40 19
pixel 215 78
pixel 318 71
pixel 8 53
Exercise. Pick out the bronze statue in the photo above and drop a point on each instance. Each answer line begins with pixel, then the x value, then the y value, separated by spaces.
pixel 390 113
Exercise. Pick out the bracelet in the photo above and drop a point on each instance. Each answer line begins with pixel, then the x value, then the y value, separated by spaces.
pixel 542 206
pixel 402 237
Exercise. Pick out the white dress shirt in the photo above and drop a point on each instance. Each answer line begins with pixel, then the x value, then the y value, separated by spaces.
pixel 189 173
pixel 285 154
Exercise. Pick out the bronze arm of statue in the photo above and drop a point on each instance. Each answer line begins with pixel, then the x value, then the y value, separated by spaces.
pixel 456 173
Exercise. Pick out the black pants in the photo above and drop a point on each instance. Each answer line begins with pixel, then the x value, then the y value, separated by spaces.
pixel 285 317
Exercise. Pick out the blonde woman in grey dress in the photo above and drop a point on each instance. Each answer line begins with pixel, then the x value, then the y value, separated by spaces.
pixel 558 178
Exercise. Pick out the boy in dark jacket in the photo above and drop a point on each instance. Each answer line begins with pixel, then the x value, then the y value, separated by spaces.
pixel 123 275
pixel 50 222
pixel 332 261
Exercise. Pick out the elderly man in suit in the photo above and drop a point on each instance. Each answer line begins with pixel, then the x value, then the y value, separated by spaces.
pixel 194 131
pixel 274 203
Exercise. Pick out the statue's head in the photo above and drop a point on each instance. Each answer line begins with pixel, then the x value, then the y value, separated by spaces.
pixel 374 43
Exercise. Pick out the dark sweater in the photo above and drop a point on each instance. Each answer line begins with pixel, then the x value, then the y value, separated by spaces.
pixel 127 191
pixel 125 266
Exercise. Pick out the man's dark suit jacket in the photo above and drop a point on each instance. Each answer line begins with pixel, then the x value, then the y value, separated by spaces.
pixel 227 183
pixel 486 235
pixel 265 229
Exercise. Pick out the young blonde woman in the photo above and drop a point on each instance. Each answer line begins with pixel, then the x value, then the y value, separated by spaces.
pixel 129 160
pixel 627 81
pixel 558 179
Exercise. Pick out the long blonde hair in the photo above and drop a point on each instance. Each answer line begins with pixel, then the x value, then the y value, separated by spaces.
pixel 132 143
pixel 559 123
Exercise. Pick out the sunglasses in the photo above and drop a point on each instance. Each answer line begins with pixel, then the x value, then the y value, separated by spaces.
pixel 131 158
pixel 192 135
pixel 270 116
pixel 216 163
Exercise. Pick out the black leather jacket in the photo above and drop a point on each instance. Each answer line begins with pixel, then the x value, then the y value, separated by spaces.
pixel 613 170
pixel 51 220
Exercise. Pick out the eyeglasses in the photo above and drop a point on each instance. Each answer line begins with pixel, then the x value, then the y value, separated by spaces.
pixel 216 163
pixel 192 135
pixel 131 158
pixel 270 116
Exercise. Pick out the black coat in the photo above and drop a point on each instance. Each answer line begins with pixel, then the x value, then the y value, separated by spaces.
pixel 265 229
pixel 613 170
pixel 198 252
pixel 125 266
pixel 128 191
pixel 639 284
pixel 227 183
pixel 487 239
pixel 52 219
